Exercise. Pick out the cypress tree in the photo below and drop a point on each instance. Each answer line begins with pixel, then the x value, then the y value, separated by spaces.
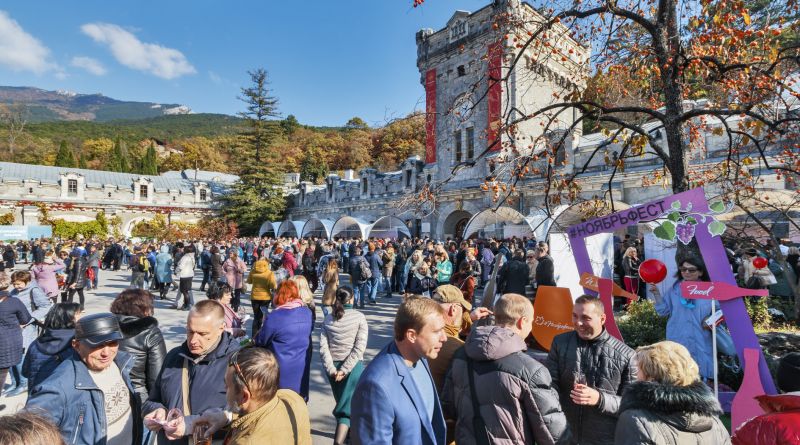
pixel 65 157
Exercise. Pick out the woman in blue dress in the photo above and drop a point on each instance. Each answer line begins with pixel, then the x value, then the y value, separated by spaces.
pixel 685 324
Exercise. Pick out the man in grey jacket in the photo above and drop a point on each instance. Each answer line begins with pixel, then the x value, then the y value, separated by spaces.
pixel 496 392
pixel 590 370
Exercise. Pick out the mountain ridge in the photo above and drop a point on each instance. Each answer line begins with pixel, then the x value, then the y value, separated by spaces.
pixel 49 106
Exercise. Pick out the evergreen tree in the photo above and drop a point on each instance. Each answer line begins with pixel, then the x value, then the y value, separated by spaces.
pixel 150 161
pixel 290 125
pixel 82 162
pixel 118 160
pixel 65 157
pixel 258 195
pixel 312 166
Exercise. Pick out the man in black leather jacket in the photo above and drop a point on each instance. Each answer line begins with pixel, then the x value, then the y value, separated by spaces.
pixel 590 370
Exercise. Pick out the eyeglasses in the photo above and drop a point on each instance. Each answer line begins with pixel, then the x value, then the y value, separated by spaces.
pixel 689 269
pixel 232 361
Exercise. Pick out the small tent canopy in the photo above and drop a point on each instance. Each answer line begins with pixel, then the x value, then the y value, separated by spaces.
pixel 290 228
pixel 349 226
pixel 504 222
pixel 269 229
pixel 388 227
pixel 320 228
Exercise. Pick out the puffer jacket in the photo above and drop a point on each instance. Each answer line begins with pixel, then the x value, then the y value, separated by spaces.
pixel 38 304
pixel 779 425
pixel 76 273
pixel 514 393
pixel 609 368
pixel 658 414
pixel 263 281
pixel 143 341
pixel 46 353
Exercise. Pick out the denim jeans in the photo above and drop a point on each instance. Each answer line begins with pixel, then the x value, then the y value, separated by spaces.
pixel 387 285
pixel 374 283
pixel 360 291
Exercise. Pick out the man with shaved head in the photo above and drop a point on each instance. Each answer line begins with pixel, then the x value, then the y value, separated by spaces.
pixel 193 376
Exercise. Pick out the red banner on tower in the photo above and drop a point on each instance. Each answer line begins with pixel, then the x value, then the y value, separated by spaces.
pixel 430 116
pixel 495 95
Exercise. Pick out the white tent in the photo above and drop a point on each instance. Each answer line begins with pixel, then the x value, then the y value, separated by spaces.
pixel 317 227
pixel 269 228
pixel 291 228
pixel 349 226
pixel 504 222
pixel 388 227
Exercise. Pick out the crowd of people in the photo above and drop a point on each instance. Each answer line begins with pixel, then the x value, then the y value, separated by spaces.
pixel 457 369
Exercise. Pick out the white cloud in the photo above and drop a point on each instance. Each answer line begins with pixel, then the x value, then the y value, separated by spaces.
pixel 167 63
pixel 214 77
pixel 21 51
pixel 93 66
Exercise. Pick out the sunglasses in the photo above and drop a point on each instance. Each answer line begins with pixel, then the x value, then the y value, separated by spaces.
pixel 689 269
pixel 232 361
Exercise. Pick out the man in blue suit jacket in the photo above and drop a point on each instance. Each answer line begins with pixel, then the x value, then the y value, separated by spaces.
pixel 395 401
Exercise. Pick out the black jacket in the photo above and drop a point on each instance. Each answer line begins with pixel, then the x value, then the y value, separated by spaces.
pixel 46 353
pixel 609 368
pixel 76 273
pixel 513 277
pixel 630 267
pixel 545 272
pixel 143 341
pixel 206 382
pixel 355 269
pixel 652 412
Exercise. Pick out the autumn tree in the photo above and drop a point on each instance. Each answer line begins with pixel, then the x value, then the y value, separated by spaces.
pixel 14 117
pixel 667 78
pixel 65 156
pixel 313 167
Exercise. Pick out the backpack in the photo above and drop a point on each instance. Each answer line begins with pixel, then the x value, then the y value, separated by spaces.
pixel 142 265
pixel 366 272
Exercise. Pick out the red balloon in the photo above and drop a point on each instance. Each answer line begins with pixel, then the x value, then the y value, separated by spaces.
pixel 760 262
pixel 652 271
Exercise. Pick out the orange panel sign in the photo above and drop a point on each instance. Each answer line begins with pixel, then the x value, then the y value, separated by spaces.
pixel 552 314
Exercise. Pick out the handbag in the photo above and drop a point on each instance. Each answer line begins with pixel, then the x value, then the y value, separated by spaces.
pixel 725 344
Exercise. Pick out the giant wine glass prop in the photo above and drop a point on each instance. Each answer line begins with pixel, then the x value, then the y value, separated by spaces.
pixel 683 217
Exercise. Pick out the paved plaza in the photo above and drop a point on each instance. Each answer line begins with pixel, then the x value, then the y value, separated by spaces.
pixel 172 323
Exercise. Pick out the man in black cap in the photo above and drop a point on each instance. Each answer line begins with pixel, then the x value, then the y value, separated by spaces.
pixel 89 396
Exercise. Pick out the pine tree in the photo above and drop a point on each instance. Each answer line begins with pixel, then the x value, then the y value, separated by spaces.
pixel 65 157
pixel 258 195
pixel 82 162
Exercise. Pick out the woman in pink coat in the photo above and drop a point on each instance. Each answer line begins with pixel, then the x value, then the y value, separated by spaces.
pixel 289 262
pixel 234 269
pixel 45 275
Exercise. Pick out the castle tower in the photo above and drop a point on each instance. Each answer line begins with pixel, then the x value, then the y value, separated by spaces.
pixel 472 90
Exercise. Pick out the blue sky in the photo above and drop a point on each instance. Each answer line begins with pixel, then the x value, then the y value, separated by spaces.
pixel 328 60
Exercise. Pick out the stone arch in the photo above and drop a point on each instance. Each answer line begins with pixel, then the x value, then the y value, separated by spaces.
pixel 455 223
pixel 127 228
pixel 470 206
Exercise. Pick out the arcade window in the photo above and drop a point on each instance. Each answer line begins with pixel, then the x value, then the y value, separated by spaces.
pixel 470 143
pixel 461 70
pixel 72 187
pixel 143 191
pixel 457 137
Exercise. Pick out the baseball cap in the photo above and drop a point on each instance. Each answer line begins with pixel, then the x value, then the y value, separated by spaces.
pixel 447 293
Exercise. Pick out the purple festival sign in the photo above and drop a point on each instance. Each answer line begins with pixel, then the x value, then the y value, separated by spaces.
pixel 684 216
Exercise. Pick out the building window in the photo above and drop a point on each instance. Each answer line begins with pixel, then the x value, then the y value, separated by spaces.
pixel 457 137
pixel 143 191
pixel 174 198
pixel 203 194
pixel 364 186
pixel 109 194
pixel 461 70
pixel 30 190
pixel 408 178
pixel 72 187
pixel 470 143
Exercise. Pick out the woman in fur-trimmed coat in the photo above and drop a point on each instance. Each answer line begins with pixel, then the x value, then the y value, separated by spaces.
pixel 670 405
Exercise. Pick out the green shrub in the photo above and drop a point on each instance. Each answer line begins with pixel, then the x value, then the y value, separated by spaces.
pixel 642 325
pixel 758 311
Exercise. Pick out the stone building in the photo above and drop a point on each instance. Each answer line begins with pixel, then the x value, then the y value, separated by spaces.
pixel 458 65
pixel 78 195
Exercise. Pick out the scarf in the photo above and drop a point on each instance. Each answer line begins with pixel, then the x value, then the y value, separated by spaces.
pixel 292 304
pixel 451 330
